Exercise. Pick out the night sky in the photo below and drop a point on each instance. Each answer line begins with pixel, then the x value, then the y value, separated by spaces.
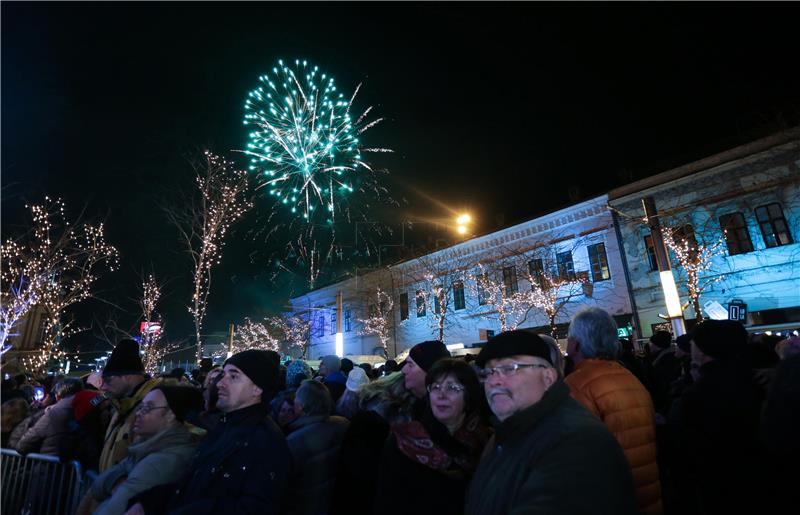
pixel 504 110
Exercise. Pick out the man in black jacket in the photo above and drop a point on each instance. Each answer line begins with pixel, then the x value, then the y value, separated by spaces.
pixel 550 454
pixel 243 464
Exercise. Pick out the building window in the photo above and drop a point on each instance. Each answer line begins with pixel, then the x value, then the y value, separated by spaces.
pixel 651 253
pixel 321 326
pixel 736 234
pixel 437 306
pixel 599 262
pixel 566 268
pixel 347 320
pixel 510 280
pixel 536 269
pixel 773 225
pixel 420 304
pixel 483 295
pixel 459 302
pixel 684 237
pixel 404 306
pixel 333 322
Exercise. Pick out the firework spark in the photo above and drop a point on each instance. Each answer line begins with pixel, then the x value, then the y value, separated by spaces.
pixel 306 144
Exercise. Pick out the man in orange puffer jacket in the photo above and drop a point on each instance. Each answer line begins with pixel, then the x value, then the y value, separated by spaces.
pixel 613 393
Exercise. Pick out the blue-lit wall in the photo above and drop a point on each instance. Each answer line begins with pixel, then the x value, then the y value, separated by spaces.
pixel 765 278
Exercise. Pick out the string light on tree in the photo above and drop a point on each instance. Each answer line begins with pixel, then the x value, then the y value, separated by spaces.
pixel 695 259
pixel 204 225
pixel 379 321
pixel 56 264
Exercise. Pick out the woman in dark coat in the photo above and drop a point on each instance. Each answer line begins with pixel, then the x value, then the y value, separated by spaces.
pixel 436 456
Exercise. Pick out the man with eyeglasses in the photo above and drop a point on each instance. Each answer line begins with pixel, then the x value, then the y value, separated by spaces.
pixel 550 455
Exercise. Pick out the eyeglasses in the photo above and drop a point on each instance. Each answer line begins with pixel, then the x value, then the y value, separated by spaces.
pixel 508 370
pixel 447 388
pixel 144 409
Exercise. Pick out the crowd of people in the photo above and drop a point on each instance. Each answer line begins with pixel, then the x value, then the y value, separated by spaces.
pixel 703 425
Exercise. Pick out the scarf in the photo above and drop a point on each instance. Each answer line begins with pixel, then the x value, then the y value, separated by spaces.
pixel 444 452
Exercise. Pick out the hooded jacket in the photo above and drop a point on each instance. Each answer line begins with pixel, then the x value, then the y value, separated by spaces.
pixel 161 459
pixel 553 457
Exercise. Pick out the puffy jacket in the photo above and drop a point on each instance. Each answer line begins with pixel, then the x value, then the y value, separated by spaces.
pixel 314 443
pixel 45 435
pixel 119 434
pixel 162 459
pixel 613 394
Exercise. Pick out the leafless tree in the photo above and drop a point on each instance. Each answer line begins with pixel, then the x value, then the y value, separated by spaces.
pixel 55 264
pixel 203 221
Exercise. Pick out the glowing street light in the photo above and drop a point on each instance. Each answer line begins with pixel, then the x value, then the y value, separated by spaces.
pixel 462 222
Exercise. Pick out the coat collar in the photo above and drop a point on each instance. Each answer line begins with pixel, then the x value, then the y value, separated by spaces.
pixel 242 416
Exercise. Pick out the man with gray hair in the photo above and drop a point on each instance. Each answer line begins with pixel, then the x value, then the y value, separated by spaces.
pixel 613 394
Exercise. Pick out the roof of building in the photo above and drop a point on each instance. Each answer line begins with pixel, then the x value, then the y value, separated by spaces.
pixel 727 156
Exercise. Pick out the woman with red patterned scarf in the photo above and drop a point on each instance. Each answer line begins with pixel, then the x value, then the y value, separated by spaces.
pixel 434 458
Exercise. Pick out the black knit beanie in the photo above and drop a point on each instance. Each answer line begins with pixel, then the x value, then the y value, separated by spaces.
pixel 259 366
pixel 720 339
pixel 124 360
pixel 427 353
pixel 182 400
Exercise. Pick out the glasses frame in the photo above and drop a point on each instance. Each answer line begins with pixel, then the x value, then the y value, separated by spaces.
pixel 447 389
pixel 507 370
pixel 144 409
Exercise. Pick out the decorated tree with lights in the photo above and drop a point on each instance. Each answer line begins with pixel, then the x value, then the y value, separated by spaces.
pixel 694 258
pixel 204 222
pixel 293 330
pixel 152 347
pixel 380 310
pixel 510 305
pixel 54 265
pixel 306 152
pixel 435 278
pixel 256 335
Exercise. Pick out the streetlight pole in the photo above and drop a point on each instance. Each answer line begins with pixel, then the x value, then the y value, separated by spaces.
pixel 674 310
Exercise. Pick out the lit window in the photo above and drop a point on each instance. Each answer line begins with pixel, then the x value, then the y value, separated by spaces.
pixel 599 262
pixel 773 225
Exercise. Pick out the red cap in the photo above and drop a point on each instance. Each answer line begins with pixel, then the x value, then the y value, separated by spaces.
pixel 82 403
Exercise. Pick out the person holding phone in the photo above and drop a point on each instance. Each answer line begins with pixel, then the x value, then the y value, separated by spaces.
pixel 45 435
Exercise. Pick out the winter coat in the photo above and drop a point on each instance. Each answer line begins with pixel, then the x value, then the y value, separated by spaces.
pixel 164 458
pixel 612 393
pixel 662 370
pixel 119 434
pixel 44 437
pixel 553 457
pixel 242 466
pixel 20 429
pixel 358 459
pixel 715 425
pixel 314 442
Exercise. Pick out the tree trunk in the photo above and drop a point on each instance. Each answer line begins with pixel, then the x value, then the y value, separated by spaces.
pixel 698 314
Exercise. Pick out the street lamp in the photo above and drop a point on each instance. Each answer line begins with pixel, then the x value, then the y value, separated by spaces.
pixel 462 222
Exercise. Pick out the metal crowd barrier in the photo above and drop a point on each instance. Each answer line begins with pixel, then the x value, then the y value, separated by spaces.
pixel 39 484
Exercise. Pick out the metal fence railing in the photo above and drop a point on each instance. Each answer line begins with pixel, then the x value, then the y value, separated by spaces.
pixel 39 484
